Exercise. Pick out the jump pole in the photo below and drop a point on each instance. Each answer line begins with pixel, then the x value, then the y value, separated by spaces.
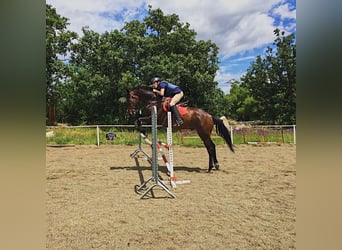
pixel 155 176
pixel 169 142
pixel 173 179
pixel 135 154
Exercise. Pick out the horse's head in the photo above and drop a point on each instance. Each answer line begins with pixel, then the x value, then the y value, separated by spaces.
pixel 132 102
pixel 139 98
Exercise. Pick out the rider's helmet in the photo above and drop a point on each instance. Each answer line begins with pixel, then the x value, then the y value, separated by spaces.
pixel 155 79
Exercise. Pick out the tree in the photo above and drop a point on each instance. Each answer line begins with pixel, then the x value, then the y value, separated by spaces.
pixel 172 52
pixel 241 105
pixel 103 67
pixel 58 41
pixel 272 81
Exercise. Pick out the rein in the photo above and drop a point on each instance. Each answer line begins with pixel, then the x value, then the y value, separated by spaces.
pixel 146 100
pixel 149 106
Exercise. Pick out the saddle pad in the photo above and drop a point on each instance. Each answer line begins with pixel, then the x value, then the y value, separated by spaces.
pixel 182 110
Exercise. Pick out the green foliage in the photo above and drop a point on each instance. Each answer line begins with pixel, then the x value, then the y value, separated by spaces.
pixel 271 81
pixel 241 105
pixel 102 67
pixel 58 41
pixel 91 86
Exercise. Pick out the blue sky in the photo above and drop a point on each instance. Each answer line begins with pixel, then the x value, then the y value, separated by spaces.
pixel 242 29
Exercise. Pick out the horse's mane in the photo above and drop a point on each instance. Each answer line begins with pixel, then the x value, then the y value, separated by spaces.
pixel 145 92
pixel 142 88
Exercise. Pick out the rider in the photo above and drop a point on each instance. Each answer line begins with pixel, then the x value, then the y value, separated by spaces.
pixel 167 89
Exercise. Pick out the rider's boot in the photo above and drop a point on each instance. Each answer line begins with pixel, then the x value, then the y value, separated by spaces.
pixel 179 120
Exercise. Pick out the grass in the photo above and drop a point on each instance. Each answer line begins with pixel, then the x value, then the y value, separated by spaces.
pixel 127 136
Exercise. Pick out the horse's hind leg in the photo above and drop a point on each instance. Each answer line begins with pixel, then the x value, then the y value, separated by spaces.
pixel 213 153
pixel 211 162
pixel 210 146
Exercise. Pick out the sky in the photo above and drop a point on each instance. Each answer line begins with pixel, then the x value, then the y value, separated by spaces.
pixel 242 29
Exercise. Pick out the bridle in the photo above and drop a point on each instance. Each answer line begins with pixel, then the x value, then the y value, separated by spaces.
pixel 134 99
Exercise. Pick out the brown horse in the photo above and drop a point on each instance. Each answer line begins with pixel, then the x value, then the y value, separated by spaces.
pixel 194 118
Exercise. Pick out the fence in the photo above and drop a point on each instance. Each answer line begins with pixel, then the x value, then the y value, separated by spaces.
pixel 90 134
pixel 240 135
pixel 265 134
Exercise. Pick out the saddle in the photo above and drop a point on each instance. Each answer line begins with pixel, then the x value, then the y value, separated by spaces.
pixel 182 106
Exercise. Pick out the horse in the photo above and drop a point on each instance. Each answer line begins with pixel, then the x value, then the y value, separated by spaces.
pixel 194 119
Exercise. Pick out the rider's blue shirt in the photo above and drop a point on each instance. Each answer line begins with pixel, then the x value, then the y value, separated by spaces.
pixel 170 89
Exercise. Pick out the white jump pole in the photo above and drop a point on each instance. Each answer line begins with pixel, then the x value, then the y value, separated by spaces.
pixel 173 179
pixel 294 134
pixel 169 142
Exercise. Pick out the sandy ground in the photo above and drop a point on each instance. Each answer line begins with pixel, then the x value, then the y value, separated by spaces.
pixel 249 203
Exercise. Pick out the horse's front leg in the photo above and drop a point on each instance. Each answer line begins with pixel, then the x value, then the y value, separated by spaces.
pixel 138 124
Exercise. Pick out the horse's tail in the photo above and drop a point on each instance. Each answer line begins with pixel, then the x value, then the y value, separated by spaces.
pixel 223 131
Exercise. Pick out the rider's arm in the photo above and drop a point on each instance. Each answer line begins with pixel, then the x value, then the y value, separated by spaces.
pixel 160 92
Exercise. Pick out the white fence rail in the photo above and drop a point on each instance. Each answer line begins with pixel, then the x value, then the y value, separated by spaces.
pixel 94 126
pixel 262 131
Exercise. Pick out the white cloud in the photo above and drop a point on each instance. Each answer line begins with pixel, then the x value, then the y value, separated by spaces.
pixel 223 76
pixel 89 13
pixel 235 26
pixel 241 59
pixel 285 11
pixel 238 27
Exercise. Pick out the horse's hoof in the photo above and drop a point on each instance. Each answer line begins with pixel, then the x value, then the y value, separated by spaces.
pixel 217 166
